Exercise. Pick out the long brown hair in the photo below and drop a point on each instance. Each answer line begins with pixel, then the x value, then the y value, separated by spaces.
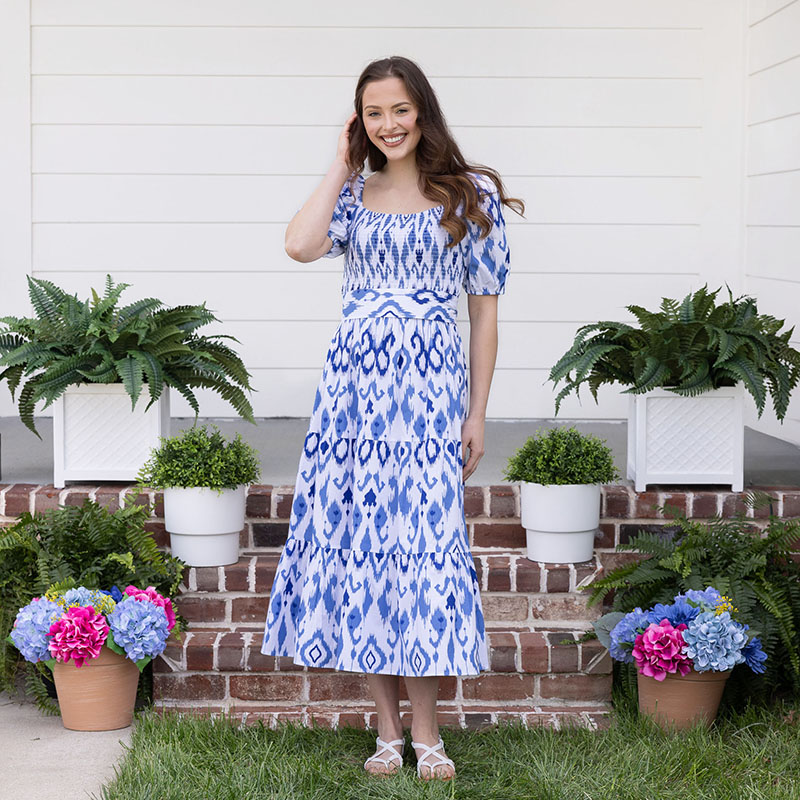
pixel 443 169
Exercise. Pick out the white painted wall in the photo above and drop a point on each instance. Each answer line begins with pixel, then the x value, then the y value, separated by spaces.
pixel 773 174
pixel 171 142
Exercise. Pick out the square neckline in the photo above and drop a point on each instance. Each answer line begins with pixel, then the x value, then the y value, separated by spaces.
pixel 362 180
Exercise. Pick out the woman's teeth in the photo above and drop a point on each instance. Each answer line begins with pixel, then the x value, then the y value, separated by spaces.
pixel 394 140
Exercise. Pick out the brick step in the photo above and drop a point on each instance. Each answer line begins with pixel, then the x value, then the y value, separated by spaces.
pixel 592 716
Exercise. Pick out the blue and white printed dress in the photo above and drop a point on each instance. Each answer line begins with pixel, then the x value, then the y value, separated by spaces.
pixel 376 575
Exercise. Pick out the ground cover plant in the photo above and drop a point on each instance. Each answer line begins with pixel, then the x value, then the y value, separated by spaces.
pixel 752 754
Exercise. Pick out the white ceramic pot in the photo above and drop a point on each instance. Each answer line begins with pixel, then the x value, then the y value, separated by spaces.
pixel 686 440
pixel 560 521
pixel 97 437
pixel 204 524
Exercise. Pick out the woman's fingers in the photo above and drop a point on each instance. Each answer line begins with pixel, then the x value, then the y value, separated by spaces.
pixel 344 138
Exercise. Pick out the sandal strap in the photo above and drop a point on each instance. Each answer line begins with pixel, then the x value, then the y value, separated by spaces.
pixel 387 746
pixel 432 751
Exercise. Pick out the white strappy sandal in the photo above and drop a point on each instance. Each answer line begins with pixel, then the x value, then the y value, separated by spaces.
pixel 432 751
pixel 387 761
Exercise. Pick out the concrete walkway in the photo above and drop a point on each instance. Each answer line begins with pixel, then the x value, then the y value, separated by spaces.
pixel 40 758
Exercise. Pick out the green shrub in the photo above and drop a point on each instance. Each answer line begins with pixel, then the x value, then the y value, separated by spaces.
pixel 562 456
pixel 687 347
pixel 198 457
pixel 71 342
pixel 756 571
pixel 75 546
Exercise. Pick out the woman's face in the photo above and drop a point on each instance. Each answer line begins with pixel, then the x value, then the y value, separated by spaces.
pixel 388 113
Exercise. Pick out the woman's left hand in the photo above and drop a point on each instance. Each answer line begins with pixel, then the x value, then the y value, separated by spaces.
pixel 472 436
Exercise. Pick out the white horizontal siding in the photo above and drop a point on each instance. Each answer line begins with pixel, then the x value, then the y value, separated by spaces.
pixel 295 149
pixel 445 13
pixel 773 183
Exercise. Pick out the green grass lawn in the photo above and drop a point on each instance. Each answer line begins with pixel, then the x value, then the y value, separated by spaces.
pixel 744 756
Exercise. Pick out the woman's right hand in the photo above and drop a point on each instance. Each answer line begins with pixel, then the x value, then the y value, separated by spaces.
pixel 344 139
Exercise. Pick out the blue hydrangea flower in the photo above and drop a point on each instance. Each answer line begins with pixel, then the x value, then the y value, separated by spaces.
pixel 115 593
pixel 678 612
pixel 714 641
pixel 31 626
pixel 754 656
pixel 139 627
pixel 708 596
pixel 624 633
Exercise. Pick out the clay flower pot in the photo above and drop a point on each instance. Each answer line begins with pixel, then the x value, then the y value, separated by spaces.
pixel 100 695
pixel 681 701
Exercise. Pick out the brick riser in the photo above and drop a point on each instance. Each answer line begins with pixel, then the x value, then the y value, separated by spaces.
pixel 529 608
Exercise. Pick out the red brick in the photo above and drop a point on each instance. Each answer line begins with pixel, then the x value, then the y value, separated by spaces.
pixel 244 538
pixel 528 575
pixel 591 650
pixel 499 579
pixel 286 664
pixel 473 501
pixel 249 609
pixel 674 501
pixel 646 503
pixel 230 652
pixel 136 497
pixel 617 502
pixel 265 573
pixel 447 688
pixel 283 504
pixel 445 719
pixel 497 687
pixel 270 534
pixel 733 504
pixel 791 505
pixel 207 579
pixel 560 606
pixel 475 721
pixel 202 609
pixel 533 652
pixel 557 578
pixel 257 661
pixel 158 505
pixel 605 535
pixel 501 501
pixel 108 497
pixel 478 569
pixel 258 501
pixel 267 687
pixel 77 495
pixel 236 576
pixel 498 534
pixel 502 652
pixel 18 499
pixel 584 569
pixel 160 535
pixel 502 607
pixel 704 504
pixel 188 687
pixel 763 512
pixel 576 687
pixel 348 720
pixel 47 498
pixel 200 651
pixel 563 657
pixel 338 687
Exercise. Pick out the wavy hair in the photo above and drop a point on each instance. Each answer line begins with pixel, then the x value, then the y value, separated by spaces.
pixel 443 169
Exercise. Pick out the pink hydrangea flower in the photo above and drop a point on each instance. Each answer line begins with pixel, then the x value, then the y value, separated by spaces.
pixel 657 651
pixel 153 596
pixel 79 635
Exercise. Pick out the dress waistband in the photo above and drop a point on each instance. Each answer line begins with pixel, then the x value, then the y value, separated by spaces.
pixel 418 303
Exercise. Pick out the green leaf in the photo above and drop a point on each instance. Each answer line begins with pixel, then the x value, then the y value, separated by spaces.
pixel 130 371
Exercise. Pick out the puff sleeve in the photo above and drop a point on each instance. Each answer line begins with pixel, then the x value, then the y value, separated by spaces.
pixel 339 230
pixel 487 260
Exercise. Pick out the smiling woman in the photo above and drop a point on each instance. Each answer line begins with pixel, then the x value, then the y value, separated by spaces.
pixel 377 576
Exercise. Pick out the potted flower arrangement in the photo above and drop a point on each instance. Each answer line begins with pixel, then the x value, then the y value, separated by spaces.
pixel 66 548
pixel 560 472
pixel 93 359
pixel 684 652
pixel 205 479
pixel 686 368
pixel 96 642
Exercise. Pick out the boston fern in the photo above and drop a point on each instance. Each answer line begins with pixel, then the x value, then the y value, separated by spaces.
pixel 754 568
pixel 71 341
pixel 687 347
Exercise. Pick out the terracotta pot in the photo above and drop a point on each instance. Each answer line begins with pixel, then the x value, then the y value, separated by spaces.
pixel 681 701
pixel 100 695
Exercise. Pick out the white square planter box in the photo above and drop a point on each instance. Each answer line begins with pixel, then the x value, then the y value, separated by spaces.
pixel 97 437
pixel 686 440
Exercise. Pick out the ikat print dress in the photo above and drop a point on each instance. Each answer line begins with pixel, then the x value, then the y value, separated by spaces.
pixel 376 575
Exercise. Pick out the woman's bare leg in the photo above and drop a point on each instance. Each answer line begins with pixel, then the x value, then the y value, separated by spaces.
pixel 385 690
pixel 424 726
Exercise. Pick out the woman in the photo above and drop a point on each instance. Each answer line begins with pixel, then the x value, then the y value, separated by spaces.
pixel 376 576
